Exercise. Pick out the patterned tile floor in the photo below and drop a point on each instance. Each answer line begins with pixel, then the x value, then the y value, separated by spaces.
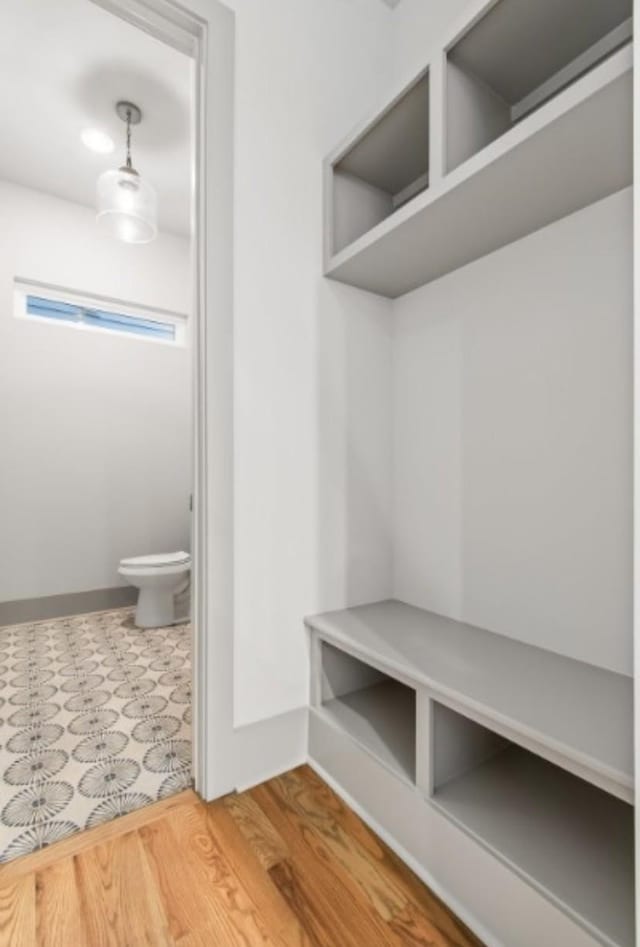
pixel 95 721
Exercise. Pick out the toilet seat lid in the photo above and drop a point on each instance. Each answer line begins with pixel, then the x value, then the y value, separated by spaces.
pixel 158 560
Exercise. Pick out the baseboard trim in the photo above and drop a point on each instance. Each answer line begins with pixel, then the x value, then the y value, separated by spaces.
pixel 59 606
pixel 269 748
pixel 487 937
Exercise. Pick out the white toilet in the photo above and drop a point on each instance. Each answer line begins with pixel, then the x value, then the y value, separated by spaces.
pixel 160 579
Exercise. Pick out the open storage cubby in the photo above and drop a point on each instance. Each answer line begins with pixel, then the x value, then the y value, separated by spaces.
pixel 568 838
pixel 517 56
pixel 384 168
pixel 482 756
pixel 376 710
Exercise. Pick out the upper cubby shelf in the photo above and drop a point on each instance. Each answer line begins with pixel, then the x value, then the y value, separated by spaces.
pixel 518 56
pixel 523 117
pixel 385 167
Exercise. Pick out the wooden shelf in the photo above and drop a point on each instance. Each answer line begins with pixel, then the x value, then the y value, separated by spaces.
pixel 572 151
pixel 573 714
pixel 381 718
pixel 568 839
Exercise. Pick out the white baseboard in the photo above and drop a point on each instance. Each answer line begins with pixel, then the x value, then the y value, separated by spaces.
pixel 487 937
pixel 269 748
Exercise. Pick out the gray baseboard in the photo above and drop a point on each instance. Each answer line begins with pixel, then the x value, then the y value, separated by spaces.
pixel 58 606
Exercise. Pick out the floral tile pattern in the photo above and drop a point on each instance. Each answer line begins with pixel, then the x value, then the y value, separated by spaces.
pixel 95 721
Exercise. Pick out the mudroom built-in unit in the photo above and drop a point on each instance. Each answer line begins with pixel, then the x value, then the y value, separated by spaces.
pixel 481 717
pixel 519 113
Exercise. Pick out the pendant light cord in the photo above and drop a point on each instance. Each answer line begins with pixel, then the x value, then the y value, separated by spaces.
pixel 128 162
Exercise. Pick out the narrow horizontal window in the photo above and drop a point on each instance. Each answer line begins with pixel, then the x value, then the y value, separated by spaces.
pixel 83 312
pixel 100 318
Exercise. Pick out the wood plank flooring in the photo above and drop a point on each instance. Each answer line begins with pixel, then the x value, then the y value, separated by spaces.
pixel 286 864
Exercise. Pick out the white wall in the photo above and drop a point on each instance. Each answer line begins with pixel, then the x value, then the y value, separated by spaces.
pixel 95 429
pixel 312 359
pixel 312 456
pixel 512 439
pixel 417 26
pixel 512 424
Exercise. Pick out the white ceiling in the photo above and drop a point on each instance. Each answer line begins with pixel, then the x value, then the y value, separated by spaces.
pixel 63 66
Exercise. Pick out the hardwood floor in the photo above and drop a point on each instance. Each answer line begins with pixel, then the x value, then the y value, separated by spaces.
pixel 286 864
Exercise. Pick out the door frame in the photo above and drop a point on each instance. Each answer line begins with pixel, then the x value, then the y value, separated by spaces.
pixel 636 449
pixel 204 30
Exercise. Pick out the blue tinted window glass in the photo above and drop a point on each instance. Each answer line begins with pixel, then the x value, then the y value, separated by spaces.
pixel 102 319
pixel 134 324
pixel 53 309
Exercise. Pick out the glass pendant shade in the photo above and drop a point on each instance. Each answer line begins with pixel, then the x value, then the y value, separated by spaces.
pixel 127 206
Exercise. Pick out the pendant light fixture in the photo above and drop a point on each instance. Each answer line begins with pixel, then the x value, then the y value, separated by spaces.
pixel 127 203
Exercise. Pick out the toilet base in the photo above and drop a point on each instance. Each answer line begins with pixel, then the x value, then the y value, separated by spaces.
pixel 155 608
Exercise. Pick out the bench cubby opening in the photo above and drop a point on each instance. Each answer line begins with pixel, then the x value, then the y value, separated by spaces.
pixel 376 710
pixel 567 837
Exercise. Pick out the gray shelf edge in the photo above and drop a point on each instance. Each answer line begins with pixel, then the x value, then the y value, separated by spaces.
pixel 615 782
pixel 497 150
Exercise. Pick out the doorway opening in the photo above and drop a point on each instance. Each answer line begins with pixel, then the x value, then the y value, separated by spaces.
pixel 99 614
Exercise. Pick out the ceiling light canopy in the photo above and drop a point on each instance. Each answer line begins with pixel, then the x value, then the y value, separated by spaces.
pixel 127 203
pixel 96 140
